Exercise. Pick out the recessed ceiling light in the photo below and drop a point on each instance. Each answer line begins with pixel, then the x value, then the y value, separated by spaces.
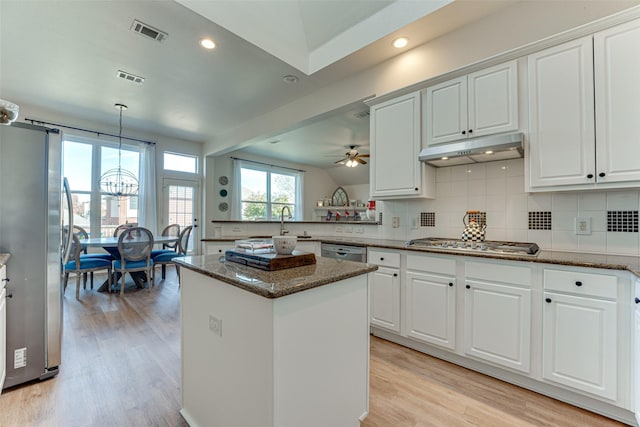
pixel 290 79
pixel 207 43
pixel 400 42
pixel 488 152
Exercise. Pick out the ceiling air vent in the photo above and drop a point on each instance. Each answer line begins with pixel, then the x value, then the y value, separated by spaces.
pixel 130 77
pixel 148 31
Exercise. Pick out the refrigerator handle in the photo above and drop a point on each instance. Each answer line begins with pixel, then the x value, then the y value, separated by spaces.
pixel 67 248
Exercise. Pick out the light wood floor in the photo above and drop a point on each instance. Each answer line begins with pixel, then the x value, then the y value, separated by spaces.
pixel 121 367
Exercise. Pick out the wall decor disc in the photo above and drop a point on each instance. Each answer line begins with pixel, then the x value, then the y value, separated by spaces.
pixel 223 180
pixel 223 193
pixel 224 206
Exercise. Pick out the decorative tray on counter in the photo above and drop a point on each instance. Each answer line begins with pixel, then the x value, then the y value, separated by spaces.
pixel 269 261
pixel 255 246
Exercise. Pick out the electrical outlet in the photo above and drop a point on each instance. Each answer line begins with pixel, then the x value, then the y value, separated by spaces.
pixel 395 221
pixel 215 325
pixel 583 225
pixel 236 229
pixel 339 229
pixel 20 358
pixel 359 230
pixel 348 230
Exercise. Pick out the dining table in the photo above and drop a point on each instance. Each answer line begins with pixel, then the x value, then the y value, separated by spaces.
pixel 110 244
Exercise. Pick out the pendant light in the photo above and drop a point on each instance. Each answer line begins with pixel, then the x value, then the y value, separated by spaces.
pixel 119 183
pixel 8 112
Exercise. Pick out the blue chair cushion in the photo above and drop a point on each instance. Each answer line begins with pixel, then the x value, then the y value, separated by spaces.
pixel 100 256
pixel 166 257
pixel 88 263
pixel 157 252
pixel 131 264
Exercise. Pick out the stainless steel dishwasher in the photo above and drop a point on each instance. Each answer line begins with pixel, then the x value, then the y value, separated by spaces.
pixel 346 251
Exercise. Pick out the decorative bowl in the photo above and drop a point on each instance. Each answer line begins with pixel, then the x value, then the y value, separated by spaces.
pixel 284 245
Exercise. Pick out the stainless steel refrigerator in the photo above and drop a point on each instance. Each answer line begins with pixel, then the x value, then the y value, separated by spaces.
pixel 31 220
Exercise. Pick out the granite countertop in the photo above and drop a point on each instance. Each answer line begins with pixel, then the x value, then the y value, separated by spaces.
pixel 4 258
pixel 275 284
pixel 577 259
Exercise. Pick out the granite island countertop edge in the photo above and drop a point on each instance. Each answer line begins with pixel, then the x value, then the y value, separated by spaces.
pixel 275 284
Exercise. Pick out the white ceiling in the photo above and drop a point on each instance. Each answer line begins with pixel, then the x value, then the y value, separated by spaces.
pixel 63 55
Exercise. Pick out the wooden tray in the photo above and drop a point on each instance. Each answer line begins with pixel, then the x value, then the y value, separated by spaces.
pixel 270 261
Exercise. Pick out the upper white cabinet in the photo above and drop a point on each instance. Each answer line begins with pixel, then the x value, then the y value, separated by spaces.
pixel 573 144
pixel 481 103
pixel 395 169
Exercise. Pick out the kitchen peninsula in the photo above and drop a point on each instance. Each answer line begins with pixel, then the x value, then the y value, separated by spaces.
pixel 274 348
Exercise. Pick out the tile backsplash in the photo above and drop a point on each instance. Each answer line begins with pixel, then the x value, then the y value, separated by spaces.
pixel 548 219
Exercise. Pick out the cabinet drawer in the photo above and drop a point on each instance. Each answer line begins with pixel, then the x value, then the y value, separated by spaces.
pixel 512 274
pixel 597 285
pixel 431 264
pixel 385 259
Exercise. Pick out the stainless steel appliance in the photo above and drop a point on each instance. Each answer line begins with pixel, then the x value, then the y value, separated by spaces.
pixel 488 246
pixel 30 230
pixel 346 251
pixel 474 150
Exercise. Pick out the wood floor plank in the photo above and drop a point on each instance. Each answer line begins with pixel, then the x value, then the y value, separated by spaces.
pixel 121 367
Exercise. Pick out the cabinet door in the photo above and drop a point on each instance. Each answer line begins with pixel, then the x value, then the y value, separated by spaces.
pixel 395 144
pixel 430 305
pixel 385 298
pixel 217 248
pixel 561 115
pixel 617 94
pixel 3 336
pixel 579 343
pixel 497 324
pixel 636 362
pixel 446 105
pixel 493 100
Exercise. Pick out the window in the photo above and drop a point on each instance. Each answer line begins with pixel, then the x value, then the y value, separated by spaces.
pixel 84 161
pixel 266 190
pixel 180 162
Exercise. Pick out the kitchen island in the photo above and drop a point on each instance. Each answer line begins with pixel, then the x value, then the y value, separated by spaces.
pixel 274 349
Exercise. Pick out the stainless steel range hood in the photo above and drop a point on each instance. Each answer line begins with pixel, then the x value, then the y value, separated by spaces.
pixel 476 150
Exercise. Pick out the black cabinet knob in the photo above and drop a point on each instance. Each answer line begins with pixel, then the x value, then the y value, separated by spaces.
pixel 381 259
pixel 548 299
pixel 578 283
pixel 637 300
pixel 590 176
pixel 470 130
pixel 6 280
pixel 451 284
pixel 601 174
pixel 9 295
pixel 416 189
pixel 468 286
pixel 395 274
pixel 464 132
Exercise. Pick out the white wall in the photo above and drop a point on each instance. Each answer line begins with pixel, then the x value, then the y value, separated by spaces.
pixel 163 143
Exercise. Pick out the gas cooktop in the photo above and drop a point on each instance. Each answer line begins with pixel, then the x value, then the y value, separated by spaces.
pixel 488 246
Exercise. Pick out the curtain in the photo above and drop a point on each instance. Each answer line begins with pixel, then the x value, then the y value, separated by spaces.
pixel 299 198
pixel 147 200
pixel 236 190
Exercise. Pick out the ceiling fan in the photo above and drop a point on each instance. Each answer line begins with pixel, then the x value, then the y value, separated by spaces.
pixel 353 158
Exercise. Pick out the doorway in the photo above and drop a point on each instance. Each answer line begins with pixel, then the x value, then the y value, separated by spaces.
pixel 181 206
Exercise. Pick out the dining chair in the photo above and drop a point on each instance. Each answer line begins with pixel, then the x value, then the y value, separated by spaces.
pixel 81 265
pixel 172 230
pixel 122 227
pixel 83 235
pixel 167 257
pixel 134 245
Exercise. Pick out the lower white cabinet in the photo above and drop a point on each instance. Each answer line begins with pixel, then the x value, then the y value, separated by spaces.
pixel 3 326
pixel 384 289
pixel 211 248
pixel 580 344
pixel 636 357
pixel 497 314
pixel 430 300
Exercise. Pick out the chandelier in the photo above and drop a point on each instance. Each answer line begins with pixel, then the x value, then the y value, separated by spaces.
pixel 119 182
pixel 8 112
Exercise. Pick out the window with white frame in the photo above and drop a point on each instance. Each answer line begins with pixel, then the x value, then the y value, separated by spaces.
pixel 266 190
pixel 180 162
pixel 84 161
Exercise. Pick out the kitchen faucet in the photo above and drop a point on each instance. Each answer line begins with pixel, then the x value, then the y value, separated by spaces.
pixel 282 229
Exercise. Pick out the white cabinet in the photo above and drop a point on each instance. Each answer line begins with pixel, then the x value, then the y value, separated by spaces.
pixel 481 103
pixel 636 358
pixel 430 300
pixel 385 289
pixel 307 246
pixel 395 170
pixel 579 331
pixel 617 100
pixel 3 326
pixel 212 248
pixel 497 314
pixel 572 144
